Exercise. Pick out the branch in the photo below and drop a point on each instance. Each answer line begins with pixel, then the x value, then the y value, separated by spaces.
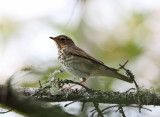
pixel 33 108
pixel 141 96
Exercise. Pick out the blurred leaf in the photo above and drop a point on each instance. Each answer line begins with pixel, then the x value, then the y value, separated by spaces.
pixel 132 50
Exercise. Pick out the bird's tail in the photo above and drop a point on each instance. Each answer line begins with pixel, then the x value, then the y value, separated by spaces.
pixel 111 72
pixel 122 77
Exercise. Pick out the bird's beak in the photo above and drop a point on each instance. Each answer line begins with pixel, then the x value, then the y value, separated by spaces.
pixel 53 38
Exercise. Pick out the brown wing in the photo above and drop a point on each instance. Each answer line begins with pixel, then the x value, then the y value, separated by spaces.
pixel 79 52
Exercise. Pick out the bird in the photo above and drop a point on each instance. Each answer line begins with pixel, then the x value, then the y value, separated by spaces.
pixel 80 64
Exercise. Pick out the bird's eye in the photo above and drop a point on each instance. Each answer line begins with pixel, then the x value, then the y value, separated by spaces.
pixel 63 38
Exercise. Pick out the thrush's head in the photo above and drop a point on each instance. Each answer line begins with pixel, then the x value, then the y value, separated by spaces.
pixel 62 41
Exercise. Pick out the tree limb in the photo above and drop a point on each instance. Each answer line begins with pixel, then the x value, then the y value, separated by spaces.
pixel 142 96
pixel 33 108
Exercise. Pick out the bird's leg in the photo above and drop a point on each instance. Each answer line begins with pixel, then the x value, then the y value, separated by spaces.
pixel 69 87
pixel 82 82
pixel 55 73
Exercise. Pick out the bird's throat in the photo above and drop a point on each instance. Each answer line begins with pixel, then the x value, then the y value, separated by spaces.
pixel 58 45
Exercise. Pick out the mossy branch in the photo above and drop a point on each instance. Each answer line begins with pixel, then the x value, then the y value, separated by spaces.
pixel 141 96
pixel 27 105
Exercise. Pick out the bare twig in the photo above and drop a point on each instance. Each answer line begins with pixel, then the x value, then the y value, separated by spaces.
pixel 73 102
pixel 83 106
pixel 69 103
pixel 121 110
pixel 94 110
pixel 105 108
pixel 122 66
pixel 129 73
pixel 130 90
pixel 98 110
pixel 40 85
pixel 109 107
pixel 141 108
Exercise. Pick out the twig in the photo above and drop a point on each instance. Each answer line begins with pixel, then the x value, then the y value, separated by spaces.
pixel 40 85
pixel 83 106
pixel 109 107
pixel 118 108
pixel 69 103
pixel 98 110
pixel 132 76
pixel 122 66
pixel 130 90
pixel 141 108
pixel 121 110
pixel 129 73
pixel 103 109
pixel 41 91
pixel 73 102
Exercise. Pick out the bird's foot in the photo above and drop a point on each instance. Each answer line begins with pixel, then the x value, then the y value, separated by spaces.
pixel 82 82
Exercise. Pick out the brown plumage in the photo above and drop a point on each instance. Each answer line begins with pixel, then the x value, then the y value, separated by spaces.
pixel 80 64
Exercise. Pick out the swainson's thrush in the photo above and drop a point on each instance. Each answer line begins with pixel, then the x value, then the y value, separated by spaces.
pixel 80 64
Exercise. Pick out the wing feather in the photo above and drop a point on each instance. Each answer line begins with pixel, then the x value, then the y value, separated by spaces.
pixel 79 52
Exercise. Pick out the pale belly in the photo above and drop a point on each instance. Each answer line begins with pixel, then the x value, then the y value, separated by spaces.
pixel 80 67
